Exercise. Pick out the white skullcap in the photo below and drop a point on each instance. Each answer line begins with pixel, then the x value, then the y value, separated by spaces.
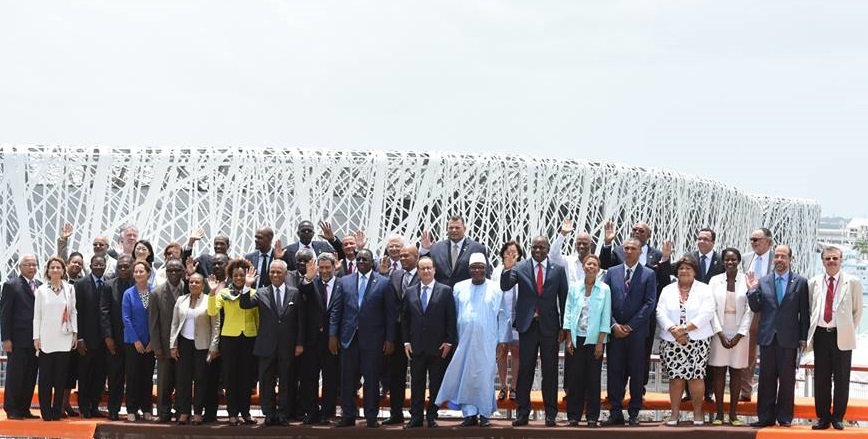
pixel 477 258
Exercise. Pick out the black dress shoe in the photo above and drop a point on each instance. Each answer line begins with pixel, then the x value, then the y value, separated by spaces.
pixel 550 422
pixel 324 421
pixel 520 421
pixel 15 417
pixel 345 422
pixel 837 425
pixel 248 420
pixel 113 417
pixel 633 421
pixel 28 415
pixel 612 422
pixel 469 421
pixel 164 419
pixel 96 414
pixel 484 422
pixel 283 422
pixel 573 423
pixel 785 424
pixel 70 412
pixel 820 425
pixel 414 423
pixel 393 420
pixel 309 420
pixel 374 424
pixel 432 423
pixel 744 398
pixel 761 424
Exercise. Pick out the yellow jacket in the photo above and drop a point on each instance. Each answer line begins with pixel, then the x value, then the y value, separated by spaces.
pixel 236 321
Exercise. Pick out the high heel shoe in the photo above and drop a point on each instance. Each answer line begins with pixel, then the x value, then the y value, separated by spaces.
pixel 197 420
pixel 233 421
pixel 502 395
pixel 183 419
pixel 511 394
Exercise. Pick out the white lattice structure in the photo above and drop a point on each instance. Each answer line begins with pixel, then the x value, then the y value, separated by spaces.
pixel 166 192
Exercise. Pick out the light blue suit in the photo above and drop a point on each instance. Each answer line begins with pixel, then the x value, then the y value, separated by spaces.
pixel 599 311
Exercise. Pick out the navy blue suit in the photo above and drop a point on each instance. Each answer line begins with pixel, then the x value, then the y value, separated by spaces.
pixel 627 358
pixel 16 318
pixel 781 328
pixel 362 332
pixel 316 357
pixel 537 335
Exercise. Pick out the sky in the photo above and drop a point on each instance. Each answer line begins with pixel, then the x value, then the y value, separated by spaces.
pixel 770 96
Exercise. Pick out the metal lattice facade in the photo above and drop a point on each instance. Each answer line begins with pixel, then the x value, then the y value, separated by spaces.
pixel 167 192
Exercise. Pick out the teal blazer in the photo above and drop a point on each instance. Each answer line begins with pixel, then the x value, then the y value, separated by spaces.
pixel 599 311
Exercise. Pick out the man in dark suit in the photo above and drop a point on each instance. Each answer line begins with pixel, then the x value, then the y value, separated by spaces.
pixel 429 328
pixel 263 256
pixel 305 240
pixel 203 262
pixel 782 298
pixel 452 256
pixel 396 364
pixel 634 293
pixel 160 311
pixel 91 345
pixel 112 324
pixel 362 322
pixel 539 317
pixel 349 244
pixel 280 340
pixel 316 358
pixel 16 315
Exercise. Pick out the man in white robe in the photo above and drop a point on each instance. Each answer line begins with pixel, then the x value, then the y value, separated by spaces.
pixel 469 379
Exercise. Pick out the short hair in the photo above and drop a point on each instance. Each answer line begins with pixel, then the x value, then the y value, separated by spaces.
pixel 74 254
pixel 173 244
pixel 689 261
pixel 506 245
pixel 830 249
pixel 766 233
pixel 731 250
pixel 147 244
pixel 97 256
pixel 706 229
pixel 197 274
pixel 327 256
pixel 127 226
pixel 55 259
pixel 142 263
pixel 592 256
pixel 421 258
pixel 454 218
pixel 222 238
pixel 304 252
pixel 237 263
pixel 280 263
pixel 634 240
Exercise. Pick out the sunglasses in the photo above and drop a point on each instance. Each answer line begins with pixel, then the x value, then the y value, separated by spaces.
pixel 831 258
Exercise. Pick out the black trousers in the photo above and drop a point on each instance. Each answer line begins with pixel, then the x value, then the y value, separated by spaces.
pixel 140 380
pixel 91 379
pixel 830 365
pixel 275 371
pixel 238 360
pixel 314 361
pixel 166 371
pixel 583 394
pixel 626 361
pixel 777 383
pixel 397 382
pixel 116 375
pixel 531 343
pixel 191 377
pixel 53 370
pixel 212 387
pixel 21 368
pixel 422 367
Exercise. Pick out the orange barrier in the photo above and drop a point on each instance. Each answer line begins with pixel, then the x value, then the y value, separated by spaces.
pixel 67 428
pixel 804 432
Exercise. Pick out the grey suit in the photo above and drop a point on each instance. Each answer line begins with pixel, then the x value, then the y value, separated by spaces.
pixel 162 305
pixel 747 265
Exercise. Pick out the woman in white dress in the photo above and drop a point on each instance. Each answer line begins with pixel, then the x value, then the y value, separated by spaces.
pixel 731 323
pixel 55 329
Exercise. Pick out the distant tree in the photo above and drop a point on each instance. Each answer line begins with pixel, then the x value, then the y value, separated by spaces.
pixel 861 246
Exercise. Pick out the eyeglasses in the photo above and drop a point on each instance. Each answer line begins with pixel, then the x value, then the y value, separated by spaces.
pixel 831 258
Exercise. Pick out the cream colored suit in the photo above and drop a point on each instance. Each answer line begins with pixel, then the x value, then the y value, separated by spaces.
pixel 847 308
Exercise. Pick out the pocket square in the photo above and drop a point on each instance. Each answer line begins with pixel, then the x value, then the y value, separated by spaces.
pixel 290 304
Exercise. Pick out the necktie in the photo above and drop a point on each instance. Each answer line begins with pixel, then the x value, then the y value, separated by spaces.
pixel 263 270
pixel 394 267
pixel 278 298
pixel 455 251
pixel 539 279
pixel 99 284
pixel 363 285
pixel 407 278
pixel 350 267
pixel 627 279
pixel 779 289
pixel 704 262
pixel 325 293
pixel 424 298
pixel 33 286
pixel 757 266
pixel 830 299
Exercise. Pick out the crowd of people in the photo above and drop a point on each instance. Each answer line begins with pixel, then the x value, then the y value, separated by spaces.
pixel 315 321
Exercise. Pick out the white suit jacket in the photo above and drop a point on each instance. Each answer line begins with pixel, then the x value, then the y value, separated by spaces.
pixel 847 308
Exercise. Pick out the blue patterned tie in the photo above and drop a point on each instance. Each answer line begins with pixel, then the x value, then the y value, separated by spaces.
pixel 424 298
pixel 363 285
pixel 779 289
